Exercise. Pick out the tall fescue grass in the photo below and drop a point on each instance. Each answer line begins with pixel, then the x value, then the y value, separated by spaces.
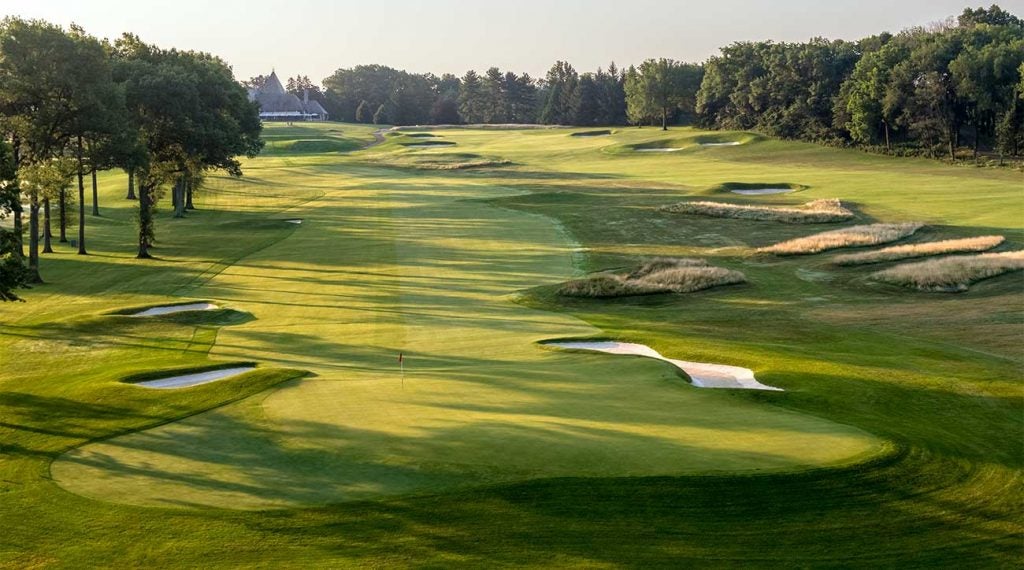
pixel 952 274
pixel 661 275
pixel 853 236
pixel 818 211
pixel 897 252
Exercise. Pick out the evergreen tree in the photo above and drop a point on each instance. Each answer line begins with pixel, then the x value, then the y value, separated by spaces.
pixel 472 103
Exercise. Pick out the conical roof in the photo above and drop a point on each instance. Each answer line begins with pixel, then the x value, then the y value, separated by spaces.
pixel 273 85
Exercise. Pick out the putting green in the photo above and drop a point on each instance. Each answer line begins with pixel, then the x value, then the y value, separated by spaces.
pixel 422 265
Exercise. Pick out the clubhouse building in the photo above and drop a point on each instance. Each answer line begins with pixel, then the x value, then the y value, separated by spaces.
pixel 276 104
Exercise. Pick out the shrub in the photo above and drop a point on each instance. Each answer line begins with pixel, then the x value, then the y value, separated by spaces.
pixel 952 274
pixel 894 253
pixel 853 236
pixel 818 211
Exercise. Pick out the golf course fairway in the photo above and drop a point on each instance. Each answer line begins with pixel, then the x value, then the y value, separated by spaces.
pixel 426 268
pixel 894 440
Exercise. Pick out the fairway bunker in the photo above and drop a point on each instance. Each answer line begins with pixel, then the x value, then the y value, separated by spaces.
pixel 294 221
pixel 194 379
pixel 762 191
pixel 170 309
pixel 657 149
pixel 730 143
pixel 703 374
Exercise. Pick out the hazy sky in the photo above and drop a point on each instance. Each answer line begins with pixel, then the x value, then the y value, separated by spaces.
pixel 315 37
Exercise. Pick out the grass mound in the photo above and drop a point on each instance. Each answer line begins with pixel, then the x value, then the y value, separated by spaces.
pixel 428 143
pixel 895 253
pixel 853 236
pixel 661 275
pixel 420 135
pixel 952 274
pixel 597 133
pixel 318 146
pixel 816 212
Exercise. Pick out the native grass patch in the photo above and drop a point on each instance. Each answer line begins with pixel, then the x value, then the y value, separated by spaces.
pixel 853 236
pixel 951 274
pixel 815 212
pixel 926 249
pixel 660 275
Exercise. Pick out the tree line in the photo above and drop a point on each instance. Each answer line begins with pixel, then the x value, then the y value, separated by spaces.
pixel 72 105
pixel 923 91
pixel 929 90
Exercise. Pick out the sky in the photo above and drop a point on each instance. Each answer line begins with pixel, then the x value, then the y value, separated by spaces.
pixel 315 37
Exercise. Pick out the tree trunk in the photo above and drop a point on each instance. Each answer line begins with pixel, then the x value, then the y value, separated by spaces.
pixel 47 227
pixel 81 201
pixel 19 229
pixel 664 119
pixel 188 196
pixel 145 222
pixel 977 133
pixel 131 185
pixel 95 195
pixel 888 147
pixel 179 197
pixel 63 208
pixel 33 239
pixel 952 146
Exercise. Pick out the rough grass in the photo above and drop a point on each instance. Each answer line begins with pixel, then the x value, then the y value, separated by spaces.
pixel 815 212
pixel 908 251
pixel 853 236
pixel 662 275
pixel 952 274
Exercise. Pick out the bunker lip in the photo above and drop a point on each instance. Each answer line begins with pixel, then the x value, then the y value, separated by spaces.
pixel 170 309
pixel 703 374
pixel 762 191
pixel 194 378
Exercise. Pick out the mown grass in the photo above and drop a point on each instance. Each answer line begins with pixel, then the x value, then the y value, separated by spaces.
pixel 814 212
pixel 853 236
pixel 937 377
pixel 952 274
pixel 925 249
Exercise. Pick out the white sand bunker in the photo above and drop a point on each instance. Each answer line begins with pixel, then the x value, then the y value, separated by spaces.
pixel 730 143
pixel 657 149
pixel 166 310
pixel 703 374
pixel 189 380
pixel 294 221
pixel 762 191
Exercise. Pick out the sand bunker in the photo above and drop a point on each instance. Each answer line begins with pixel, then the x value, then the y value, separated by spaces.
pixel 730 143
pixel 762 191
pixel 295 221
pixel 166 310
pixel 657 149
pixel 704 375
pixel 189 380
